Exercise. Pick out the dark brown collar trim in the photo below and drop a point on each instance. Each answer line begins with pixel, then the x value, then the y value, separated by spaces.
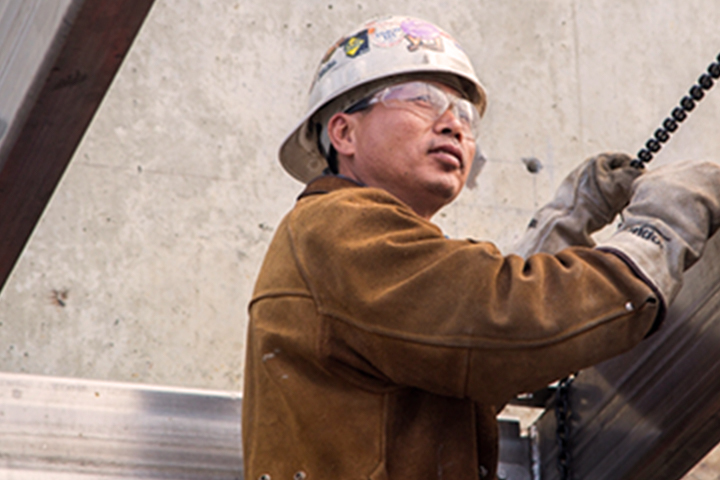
pixel 327 184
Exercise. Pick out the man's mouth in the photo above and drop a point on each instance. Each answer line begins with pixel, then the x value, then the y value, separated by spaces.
pixel 451 150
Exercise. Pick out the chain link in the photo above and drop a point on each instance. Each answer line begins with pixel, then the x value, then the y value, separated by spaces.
pixel 679 114
pixel 563 417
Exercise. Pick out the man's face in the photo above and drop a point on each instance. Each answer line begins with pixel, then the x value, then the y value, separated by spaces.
pixel 423 161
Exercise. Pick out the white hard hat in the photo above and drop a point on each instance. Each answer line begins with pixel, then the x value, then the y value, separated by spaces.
pixel 380 52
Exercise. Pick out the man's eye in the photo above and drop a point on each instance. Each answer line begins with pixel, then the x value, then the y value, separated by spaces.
pixel 421 100
pixel 465 117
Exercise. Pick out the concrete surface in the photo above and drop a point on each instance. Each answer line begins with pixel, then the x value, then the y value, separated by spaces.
pixel 143 264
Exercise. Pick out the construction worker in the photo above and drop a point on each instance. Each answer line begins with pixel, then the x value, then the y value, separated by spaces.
pixel 378 348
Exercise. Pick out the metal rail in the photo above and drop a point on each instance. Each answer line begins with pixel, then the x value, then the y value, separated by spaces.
pixel 62 429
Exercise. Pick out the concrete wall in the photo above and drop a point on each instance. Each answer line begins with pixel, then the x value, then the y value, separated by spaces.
pixel 143 264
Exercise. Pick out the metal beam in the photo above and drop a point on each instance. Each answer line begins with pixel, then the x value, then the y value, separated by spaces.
pixel 65 429
pixel 655 411
pixel 67 85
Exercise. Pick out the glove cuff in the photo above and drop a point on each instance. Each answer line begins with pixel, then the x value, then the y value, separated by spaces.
pixel 553 230
pixel 655 254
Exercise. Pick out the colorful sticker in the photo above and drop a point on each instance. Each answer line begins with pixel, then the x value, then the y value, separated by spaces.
pixel 356 45
pixel 325 68
pixel 386 34
pixel 331 50
pixel 418 43
pixel 422 35
pixel 420 29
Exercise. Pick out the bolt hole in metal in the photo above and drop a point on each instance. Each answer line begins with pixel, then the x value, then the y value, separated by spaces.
pixel 679 114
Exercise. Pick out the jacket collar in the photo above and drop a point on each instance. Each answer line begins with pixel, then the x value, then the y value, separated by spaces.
pixel 327 184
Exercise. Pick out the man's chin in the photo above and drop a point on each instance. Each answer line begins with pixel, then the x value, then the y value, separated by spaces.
pixel 446 191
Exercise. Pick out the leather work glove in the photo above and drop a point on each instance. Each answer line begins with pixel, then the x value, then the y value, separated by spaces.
pixel 673 211
pixel 587 200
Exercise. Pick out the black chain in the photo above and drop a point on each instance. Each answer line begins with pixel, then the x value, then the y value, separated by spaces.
pixel 563 417
pixel 679 114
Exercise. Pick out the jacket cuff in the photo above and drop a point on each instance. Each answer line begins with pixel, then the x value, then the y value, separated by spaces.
pixel 662 308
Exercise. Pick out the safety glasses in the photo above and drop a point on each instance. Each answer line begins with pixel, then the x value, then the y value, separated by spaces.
pixel 426 100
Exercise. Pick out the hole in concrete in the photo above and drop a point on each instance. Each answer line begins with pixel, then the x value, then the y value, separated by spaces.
pixel 532 164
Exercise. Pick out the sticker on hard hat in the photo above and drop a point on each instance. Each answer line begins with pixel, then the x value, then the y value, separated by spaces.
pixel 418 43
pixel 331 50
pixel 420 29
pixel 422 35
pixel 324 69
pixel 386 34
pixel 356 45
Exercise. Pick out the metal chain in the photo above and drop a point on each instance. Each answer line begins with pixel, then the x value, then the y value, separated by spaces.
pixel 563 417
pixel 563 408
pixel 679 114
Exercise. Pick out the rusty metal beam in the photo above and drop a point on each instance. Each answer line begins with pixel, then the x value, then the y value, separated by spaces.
pixel 86 53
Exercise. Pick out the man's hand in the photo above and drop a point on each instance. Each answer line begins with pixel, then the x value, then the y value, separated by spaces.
pixel 673 211
pixel 587 200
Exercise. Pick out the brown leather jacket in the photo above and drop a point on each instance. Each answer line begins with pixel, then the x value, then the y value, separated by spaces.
pixel 379 349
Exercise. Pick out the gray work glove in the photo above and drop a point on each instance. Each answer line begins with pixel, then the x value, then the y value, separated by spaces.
pixel 672 213
pixel 587 200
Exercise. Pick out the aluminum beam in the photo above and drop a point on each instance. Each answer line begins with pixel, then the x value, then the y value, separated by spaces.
pixel 58 59
pixel 655 411
pixel 63 429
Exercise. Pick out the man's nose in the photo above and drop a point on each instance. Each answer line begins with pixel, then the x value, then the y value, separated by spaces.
pixel 449 123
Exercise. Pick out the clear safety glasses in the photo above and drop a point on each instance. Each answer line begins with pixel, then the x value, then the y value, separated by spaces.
pixel 426 100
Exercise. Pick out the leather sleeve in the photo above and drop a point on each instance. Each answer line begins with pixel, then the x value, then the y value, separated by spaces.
pixel 403 305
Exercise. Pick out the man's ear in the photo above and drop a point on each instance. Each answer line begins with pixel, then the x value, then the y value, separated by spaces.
pixel 341 131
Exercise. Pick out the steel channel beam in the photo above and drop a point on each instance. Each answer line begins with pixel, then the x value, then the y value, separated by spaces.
pixel 655 411
pixel 67 82
pixel 515 462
